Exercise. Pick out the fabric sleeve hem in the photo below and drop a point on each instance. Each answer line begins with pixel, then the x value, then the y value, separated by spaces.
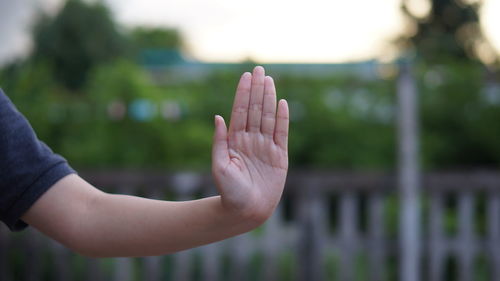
pixel 33 193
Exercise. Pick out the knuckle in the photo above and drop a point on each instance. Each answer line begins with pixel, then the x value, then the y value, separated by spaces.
pixel 268 125
pixel 267 133
pixel 244 87
pixel 256 107
pixel 283 117
pixel 281 133
pixel 240 109
pixel 268 115
pixel 269 93
pixel 258 82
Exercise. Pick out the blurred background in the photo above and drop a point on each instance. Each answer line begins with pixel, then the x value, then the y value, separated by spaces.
pixel 127 90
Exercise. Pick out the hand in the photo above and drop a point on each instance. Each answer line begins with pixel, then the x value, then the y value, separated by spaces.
pixel 250 162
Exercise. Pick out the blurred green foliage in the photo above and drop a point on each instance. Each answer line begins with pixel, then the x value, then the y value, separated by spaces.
pixel 79 37
pixel 341 122
pixel 89 96
pixel 459 112
pixel 156 38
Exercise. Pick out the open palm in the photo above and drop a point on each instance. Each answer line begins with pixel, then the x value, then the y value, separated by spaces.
pixel 250 162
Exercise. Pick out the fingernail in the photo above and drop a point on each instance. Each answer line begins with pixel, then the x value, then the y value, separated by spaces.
pixel 259 67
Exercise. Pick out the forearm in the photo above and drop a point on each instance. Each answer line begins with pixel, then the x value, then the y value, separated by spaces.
pixel 122 225
pixel 98 224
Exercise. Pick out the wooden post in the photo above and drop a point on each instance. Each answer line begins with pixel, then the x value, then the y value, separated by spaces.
pixel 211 262
pixel 311 211
pixel 408 176
pixel 348 235
pixel 273 244
pixel 466 246
pixel 123 269
pixel 377 245
pixel 240 249
pixel 436 236
pixel 493 212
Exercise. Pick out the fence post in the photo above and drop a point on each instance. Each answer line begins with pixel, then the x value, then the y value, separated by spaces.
pixel 311 212
pixel 493 212
pixel 408 175
pixel 377 243
pixel 466 246
pixel 347 236
pixel 437 246
pixel 273 244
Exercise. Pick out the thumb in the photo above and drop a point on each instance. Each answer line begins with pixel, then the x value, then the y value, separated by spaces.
pixel 220 153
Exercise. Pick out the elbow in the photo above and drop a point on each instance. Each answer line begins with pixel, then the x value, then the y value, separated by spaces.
pixel 83 239
pixel 83 246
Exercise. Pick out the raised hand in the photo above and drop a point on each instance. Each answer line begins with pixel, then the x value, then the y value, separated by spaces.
pixel 250 162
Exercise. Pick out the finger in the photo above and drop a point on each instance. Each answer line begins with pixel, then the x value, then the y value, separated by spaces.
pixel 220 152
pixel 256 97
pixel 282 120
pixel 240 107
pixel 268 108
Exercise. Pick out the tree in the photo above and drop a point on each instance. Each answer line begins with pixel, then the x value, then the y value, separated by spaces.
pixel 80 36
pixel 152 46
pixel 449 31
pixel 155 38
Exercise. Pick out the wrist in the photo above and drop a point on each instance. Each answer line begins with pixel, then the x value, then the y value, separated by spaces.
pixel 249 211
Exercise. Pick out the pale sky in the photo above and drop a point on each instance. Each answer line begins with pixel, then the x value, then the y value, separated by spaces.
pixel 272 30
pixel 263 30
pixel 285 30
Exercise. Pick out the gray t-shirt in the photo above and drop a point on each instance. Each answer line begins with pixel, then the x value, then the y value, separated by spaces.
pixel 28 167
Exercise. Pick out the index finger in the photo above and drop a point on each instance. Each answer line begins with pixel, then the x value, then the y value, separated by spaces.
pixel 239 113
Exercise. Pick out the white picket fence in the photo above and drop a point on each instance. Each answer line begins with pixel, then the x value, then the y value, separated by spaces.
pixel 330 226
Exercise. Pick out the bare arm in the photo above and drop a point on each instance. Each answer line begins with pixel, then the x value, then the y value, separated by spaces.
pixel 249 165
pixel 98 224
